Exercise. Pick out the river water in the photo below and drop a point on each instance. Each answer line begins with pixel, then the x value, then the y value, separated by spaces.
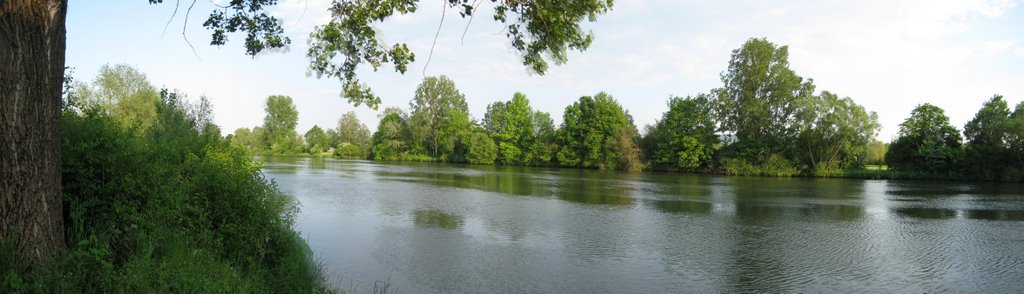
pixel 460 228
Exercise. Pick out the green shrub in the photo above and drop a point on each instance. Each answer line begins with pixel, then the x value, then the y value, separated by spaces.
pixel 177 209
pixel 349 151
pixel 482 150
pixel 778 166
pixel 739 167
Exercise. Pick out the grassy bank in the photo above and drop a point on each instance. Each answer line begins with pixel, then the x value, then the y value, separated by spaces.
pixel 172 208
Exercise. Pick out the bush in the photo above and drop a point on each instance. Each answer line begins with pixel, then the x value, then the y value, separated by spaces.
pixel 778 166
pixel 481 149
pixel 349 151
pixel 177 209
pixel 739 167
pixel 775 166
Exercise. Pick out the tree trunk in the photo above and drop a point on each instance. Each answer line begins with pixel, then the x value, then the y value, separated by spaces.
pixel 31 75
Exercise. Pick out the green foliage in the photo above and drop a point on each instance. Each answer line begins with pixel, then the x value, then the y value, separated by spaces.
pixel 349 151
pixel 738 167
pixel 316 140
pixel 541 151
pixel 122 92
pixel 1015 138
pixel 536 29
pixel 439 117
pixel 248 140
pixel 262 31
pixel 350 130
pixel 480 149
pixel 774 166
pixel 834 133
pixel 624 150
pixel 392 137
pixel 279 136
pixel 510 124
pixel 684 138
pixel 587 127
pixel 761 98
pixel 926 143
pixel 876 152
pixel 175 209
pixel 987 151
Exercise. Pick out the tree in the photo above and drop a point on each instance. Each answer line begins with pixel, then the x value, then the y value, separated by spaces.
pixel 684 138
pixel 987 136
pixel 439 115
pixel 760 99
pixel 31 77
pixel 332 138
pixel 537 29
pixel 990 124
pixel 587 126
pixel 876 152
pixel 624 149
pixel 544 146
pixel 246 138
pixel 279 125
pixel 392 135
pixel 316 140
pixel 833 133
pixel 510 124
pixel 1016 138
pixel 124 93
pixel 926 142
pixel 350 130
pixel 480 148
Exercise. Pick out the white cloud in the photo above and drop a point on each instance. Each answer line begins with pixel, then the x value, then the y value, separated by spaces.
pixel 303 15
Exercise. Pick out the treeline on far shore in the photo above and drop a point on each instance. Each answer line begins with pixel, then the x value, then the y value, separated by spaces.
pixel 764 120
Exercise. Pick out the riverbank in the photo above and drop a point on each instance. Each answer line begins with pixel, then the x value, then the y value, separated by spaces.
pixel 869 172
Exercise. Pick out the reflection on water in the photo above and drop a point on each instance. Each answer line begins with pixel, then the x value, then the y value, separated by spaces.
pixel 437 219
pixel 453 228
pixel 682 206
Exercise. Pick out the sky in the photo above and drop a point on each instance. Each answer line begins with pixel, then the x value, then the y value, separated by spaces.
pixel 887 55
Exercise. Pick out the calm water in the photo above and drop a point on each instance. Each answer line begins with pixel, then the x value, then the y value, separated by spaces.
pixel 455 228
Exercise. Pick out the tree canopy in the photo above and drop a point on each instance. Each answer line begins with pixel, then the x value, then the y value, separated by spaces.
pixel 834 132
pixel 511 126
pixel 760 98
pixel 588 134
pixel 121 91
pixel 926 142
pixel 684 138
pixel 279 125
pixel 352 131
pixel 439 114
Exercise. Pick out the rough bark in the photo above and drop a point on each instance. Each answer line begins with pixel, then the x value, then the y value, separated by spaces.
pixel 32 43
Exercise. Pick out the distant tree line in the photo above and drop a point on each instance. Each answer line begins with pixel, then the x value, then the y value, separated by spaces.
pixel 764 120
pixel 993 150
pixel 277 135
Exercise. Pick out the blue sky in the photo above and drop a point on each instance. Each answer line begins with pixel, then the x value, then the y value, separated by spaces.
pixel 887 55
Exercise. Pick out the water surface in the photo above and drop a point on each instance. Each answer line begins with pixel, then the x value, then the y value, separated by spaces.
pixel 459 228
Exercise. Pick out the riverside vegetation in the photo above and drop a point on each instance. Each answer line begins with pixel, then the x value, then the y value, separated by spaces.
pixel 155 200
pixel 765 120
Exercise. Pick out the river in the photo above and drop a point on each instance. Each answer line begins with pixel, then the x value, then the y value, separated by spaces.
pixel 428 227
